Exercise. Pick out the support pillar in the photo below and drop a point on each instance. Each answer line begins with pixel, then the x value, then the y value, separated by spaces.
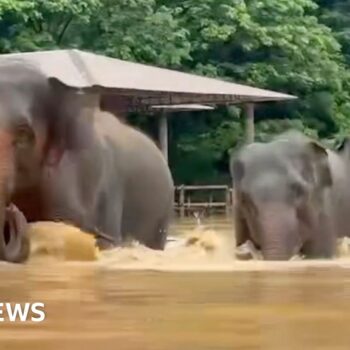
pixel 182 201
pixel 249 120
pixel 163 135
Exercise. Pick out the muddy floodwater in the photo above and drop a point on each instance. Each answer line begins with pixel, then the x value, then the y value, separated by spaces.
pixel 217 303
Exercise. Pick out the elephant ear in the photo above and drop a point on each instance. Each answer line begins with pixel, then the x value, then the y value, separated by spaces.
pixel 319 157
pixel 67 130
pixel 344 148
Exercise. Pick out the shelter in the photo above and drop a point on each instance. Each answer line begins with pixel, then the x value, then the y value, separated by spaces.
pixel 123 86
pixel 163 123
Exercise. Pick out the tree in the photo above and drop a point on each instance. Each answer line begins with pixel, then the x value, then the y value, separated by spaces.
pixel 276 44
pixel 137 30
pixel 335 14
pixel 41 24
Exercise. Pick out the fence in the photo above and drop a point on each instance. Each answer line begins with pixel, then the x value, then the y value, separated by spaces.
pixel 184 203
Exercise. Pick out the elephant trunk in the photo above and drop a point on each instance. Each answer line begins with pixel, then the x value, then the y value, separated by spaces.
pixel 280 238
pixel 14 242
pixel 3 232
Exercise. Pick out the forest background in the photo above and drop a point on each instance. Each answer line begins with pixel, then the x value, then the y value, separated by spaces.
pixel 301 47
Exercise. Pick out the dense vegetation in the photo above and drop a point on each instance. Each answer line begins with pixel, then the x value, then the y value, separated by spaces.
pixel 301 47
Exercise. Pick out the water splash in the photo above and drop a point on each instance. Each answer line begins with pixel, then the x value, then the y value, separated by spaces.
pixel 189 248
pixel 197 216
pixel 61 242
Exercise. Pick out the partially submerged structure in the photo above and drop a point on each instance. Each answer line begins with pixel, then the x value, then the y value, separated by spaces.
pixel 121 86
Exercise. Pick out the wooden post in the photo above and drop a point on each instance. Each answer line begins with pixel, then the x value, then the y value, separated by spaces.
pixel 163 135
pixel 210 206
pixel 188 206
pixel 228 201
pixel 182 201
pixel 249 115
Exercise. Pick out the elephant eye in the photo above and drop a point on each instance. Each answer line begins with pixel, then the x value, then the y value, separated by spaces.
pixel 24 136
pixel 298 190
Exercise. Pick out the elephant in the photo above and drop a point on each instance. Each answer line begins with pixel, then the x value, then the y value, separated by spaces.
pixel 59 163
pixel 291 197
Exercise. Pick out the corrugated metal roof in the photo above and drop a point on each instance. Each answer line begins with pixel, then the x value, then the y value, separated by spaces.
pixel 148 85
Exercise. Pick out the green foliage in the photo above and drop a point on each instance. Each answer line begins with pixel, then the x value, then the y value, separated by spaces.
pixel 335 14
pixel 41 24
pixel 137 30
pixel 300 47
pixel 275 44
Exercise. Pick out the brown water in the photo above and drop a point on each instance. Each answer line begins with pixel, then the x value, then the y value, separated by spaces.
pixel 294 305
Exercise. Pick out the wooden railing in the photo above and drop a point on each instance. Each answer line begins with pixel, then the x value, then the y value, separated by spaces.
pixel 184 203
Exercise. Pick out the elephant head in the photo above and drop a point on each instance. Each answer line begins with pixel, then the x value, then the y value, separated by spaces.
pixel 280 189
pixel 37 124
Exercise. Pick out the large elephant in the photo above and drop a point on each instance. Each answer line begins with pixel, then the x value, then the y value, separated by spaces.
pixel 92 170
pixel 291 197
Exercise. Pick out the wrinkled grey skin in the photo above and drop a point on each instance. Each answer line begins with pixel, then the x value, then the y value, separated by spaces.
pixel 90 170
pixel 340 166
pixel 288 197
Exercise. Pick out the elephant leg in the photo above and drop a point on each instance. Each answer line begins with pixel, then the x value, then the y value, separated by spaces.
pixel 322 245
pixel 157 239
pixel 106 226
pixel 72 213
pixel 67 206
pixel 149 230
pixel 109 222
pixel 241 227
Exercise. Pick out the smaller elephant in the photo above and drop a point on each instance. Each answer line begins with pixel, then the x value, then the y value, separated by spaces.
pixel 284 197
